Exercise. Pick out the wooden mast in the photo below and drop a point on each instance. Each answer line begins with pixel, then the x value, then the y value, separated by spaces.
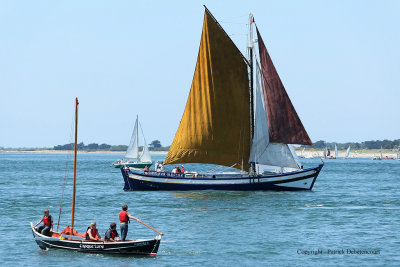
pixel 250 47
pixel 75 153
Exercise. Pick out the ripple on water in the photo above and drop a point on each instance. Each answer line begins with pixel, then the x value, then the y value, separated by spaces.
pixel 354 204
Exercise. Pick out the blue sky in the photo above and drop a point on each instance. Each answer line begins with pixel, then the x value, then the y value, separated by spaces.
pixel 339 62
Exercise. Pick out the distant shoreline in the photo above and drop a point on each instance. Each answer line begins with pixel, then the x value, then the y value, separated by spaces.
pixel 308 153
pixel 44 151
pixel 356 153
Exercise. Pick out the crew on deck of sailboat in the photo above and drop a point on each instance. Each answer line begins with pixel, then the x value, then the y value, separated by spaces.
pixel 91 241
pixel 251 131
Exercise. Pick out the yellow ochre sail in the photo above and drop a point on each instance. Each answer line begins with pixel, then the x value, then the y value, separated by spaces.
pixel 215 126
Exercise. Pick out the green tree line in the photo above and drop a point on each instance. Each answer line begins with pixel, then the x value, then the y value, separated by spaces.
pixel 154 146
pixel 373 144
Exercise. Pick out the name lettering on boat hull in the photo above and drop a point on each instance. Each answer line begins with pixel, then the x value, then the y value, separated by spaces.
pixel 94 246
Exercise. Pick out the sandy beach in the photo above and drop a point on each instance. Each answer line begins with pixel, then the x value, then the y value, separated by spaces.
pixel 361 153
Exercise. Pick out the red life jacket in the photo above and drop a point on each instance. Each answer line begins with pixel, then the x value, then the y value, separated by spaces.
pixel 113 234
pixel 123 216
pixel 47 220
pixel 93 232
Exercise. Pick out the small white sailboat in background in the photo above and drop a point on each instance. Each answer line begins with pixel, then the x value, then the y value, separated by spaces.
pixel 336 152
pixel 398 153
pixel 132 156
pixel 347 153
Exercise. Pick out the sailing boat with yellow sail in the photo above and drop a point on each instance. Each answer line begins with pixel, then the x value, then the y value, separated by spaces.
pixel 229 122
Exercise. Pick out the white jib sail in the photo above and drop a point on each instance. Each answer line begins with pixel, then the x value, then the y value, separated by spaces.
pixel 145 155
pixel 336 151
pixel 262 151
pixel 347 152
pixel 133 149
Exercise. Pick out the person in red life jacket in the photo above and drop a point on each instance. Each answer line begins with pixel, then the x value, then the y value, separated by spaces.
pixel 124 216
pixel 112 234
pixel 92 233
pixel 182 169
pixel 47 226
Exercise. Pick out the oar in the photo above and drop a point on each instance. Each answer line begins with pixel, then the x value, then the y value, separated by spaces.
pixel 158 232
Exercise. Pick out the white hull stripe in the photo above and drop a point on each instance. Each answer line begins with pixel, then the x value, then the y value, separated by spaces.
pixel 304 183
pixel 198 181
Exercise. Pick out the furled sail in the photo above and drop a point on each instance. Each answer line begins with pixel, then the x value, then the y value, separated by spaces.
pixel 133 149
pixel 284 124
pixel 215 126
pixel 262 151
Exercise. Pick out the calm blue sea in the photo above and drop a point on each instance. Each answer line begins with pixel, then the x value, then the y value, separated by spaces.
pixel 355 206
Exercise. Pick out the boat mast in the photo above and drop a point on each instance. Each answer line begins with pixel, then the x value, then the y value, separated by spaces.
pixel 75 152
pixel 137 136
pixel 250 45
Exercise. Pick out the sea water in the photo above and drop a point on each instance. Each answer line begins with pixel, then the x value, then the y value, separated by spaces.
pixel 352 216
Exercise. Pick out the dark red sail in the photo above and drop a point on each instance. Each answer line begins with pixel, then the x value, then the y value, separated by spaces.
pixel 284 125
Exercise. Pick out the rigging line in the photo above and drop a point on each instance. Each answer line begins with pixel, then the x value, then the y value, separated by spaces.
pixel 219 167
pixel 219 25
pixel 65 173
pixel 231 22
pixel 237 17
pixel 236 34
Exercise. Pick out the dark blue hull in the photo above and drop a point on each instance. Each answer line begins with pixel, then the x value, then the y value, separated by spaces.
pixel 293 181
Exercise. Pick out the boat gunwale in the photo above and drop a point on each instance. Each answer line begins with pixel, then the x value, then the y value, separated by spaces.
pixel 318 169
pixel 50 238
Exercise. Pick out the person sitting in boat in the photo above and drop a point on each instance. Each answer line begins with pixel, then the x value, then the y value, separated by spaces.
pixel 178 170
pixel 156 166
pixel 146 169
pixel 183 169
pixel 124 216
pixel 112 234
pixel 161 166
pixel 47 226
pixel 92 233
pixel 174 170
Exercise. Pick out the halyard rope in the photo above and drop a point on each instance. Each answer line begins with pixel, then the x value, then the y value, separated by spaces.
pixel 66 172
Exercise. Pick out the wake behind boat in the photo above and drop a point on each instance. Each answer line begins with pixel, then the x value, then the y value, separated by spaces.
pixel 70 239
pixel 226 122
pixel 132 157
